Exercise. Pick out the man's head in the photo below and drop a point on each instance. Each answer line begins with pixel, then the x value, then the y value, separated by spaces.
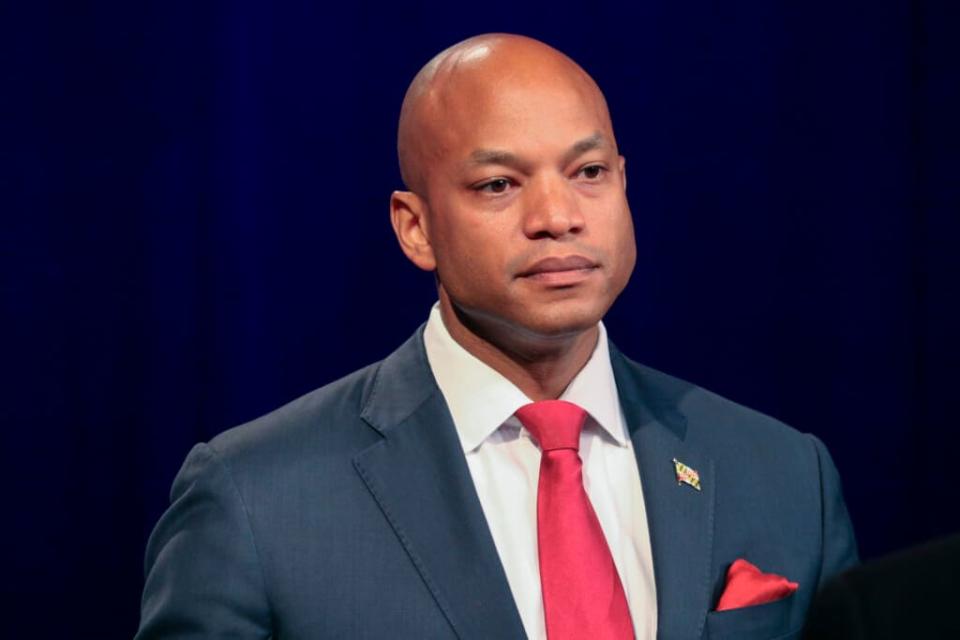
pixel 516 189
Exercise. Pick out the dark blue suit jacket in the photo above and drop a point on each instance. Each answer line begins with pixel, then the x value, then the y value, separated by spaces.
pixel 350 513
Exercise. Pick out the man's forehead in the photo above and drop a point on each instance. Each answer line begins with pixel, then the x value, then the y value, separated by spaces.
pixel 486 92
pixel 502 118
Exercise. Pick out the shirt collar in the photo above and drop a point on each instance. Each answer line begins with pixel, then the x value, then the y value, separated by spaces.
pixel 481 400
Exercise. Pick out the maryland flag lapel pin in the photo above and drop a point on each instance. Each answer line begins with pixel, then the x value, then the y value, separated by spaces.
pixel 686 475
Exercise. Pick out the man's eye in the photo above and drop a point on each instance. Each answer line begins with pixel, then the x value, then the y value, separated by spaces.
pixel 592 171
pixel 498 185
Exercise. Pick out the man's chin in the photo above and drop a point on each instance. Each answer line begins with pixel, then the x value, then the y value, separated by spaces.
pixel 531 323
pixel 559 321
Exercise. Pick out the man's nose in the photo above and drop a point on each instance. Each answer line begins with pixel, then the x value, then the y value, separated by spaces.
pixel 553 209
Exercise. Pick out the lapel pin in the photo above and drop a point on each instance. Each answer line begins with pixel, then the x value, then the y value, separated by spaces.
pixel 686 475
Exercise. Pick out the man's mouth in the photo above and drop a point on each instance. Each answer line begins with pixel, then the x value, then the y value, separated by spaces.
pixel 556 271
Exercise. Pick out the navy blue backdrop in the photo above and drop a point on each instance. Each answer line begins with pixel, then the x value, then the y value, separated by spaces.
pixel 194 231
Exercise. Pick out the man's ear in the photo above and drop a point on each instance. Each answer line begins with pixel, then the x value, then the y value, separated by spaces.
pixel 407 215
pixel 623 172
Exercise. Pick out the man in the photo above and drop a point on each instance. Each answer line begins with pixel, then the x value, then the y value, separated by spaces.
pixel 424 497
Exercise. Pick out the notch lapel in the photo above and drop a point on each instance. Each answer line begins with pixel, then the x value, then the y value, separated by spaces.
pixel 679 517
pixel 419 476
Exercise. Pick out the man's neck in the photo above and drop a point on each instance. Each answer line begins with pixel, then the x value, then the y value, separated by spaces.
pixel 541 367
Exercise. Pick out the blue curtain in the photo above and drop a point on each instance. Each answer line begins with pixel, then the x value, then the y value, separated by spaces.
pixel 194 231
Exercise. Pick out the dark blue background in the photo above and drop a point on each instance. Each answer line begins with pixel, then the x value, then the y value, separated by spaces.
pixel 194 231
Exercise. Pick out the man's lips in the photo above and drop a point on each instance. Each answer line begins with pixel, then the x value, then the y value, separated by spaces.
pixel 560 271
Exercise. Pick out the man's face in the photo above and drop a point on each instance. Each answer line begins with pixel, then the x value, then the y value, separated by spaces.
pixel 527 212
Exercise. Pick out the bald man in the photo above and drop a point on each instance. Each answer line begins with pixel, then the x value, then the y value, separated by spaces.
pixel 506 473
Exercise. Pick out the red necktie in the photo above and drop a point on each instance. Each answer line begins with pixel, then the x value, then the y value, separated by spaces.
pixel 582 594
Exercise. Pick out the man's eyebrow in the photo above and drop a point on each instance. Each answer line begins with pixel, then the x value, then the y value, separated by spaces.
pixel 506 158
pixel 596 141
pixel 495 156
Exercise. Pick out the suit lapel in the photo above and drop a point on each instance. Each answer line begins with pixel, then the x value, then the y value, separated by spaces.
pixel 679 517
pixel 418 474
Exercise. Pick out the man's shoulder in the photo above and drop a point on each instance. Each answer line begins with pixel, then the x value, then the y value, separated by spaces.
pixel 707 415
pixel 334 421
pixel 326 419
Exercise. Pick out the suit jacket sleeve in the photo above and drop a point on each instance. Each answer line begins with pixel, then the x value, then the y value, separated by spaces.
pixel 839 544
pixel 203 574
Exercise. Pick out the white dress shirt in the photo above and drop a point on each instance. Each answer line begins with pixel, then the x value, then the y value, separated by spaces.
pixel 505 463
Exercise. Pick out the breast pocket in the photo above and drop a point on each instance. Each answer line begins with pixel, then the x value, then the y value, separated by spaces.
pixel 770 621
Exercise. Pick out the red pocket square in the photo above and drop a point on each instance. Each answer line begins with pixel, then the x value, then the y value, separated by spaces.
pixel 748 586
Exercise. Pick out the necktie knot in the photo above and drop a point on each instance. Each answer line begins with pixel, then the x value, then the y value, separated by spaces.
pixel 554 424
